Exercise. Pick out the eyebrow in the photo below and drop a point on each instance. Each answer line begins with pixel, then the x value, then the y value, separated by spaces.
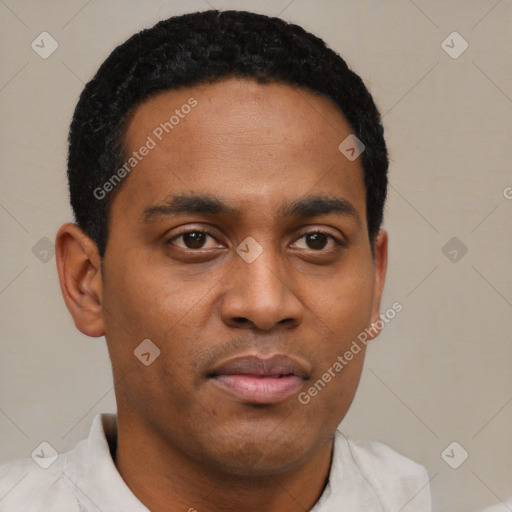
pixel 314 206
pixel 203 204
pixel 189 204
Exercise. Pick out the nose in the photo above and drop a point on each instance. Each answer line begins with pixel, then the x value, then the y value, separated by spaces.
pixel 258 296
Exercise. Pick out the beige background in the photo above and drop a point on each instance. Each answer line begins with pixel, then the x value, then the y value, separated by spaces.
pixel 440 372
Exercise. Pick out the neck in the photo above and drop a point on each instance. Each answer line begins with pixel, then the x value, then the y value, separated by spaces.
pixel 164 478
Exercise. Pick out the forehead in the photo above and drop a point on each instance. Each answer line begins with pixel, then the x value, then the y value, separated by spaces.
pixel 239 107
pixel 246 142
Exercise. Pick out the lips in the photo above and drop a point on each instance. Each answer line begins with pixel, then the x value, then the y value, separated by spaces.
pixel 258 380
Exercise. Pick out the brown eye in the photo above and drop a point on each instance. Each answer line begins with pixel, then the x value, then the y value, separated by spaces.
pixel 194 239
pixel 316 241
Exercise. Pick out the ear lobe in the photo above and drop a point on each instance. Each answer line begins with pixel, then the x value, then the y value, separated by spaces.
pixel 380 266
pixel 79 268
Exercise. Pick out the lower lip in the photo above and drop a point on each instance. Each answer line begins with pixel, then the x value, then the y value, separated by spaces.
pixel 260 390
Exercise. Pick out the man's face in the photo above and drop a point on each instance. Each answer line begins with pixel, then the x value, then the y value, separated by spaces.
pixel 239 338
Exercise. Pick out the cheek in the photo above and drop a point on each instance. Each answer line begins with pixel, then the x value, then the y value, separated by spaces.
pixel 153 305
pixel 329 394
pixel 147 300
pixel 142 308
pixel 346 302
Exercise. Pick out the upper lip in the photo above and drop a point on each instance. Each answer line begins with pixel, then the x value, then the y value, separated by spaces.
pixel 274 366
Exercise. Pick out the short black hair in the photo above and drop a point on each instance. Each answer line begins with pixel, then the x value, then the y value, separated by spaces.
pixel 205 47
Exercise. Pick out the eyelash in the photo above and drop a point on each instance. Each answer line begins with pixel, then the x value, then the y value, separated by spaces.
pixel 337 241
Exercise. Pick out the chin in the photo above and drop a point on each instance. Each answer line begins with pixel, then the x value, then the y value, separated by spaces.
pixel 270 457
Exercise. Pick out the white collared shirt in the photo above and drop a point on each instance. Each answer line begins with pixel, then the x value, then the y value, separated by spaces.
pixel 363 476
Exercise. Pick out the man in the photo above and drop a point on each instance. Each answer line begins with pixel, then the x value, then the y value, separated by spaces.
pixel 228 176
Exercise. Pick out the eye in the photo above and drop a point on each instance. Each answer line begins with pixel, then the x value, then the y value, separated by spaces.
pixel 318 241
pixel 194 239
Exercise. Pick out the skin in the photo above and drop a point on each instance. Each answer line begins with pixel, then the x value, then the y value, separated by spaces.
pixel 183 441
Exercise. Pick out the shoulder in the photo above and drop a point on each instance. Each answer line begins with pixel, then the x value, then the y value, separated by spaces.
pixel 385 460
pixel 25 487
pixel 396 480
pixel 71 481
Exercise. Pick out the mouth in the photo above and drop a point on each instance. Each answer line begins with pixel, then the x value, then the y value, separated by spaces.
pixel 256 380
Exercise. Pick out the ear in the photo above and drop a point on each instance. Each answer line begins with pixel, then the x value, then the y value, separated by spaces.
pixel 79 268
pixel 380 265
